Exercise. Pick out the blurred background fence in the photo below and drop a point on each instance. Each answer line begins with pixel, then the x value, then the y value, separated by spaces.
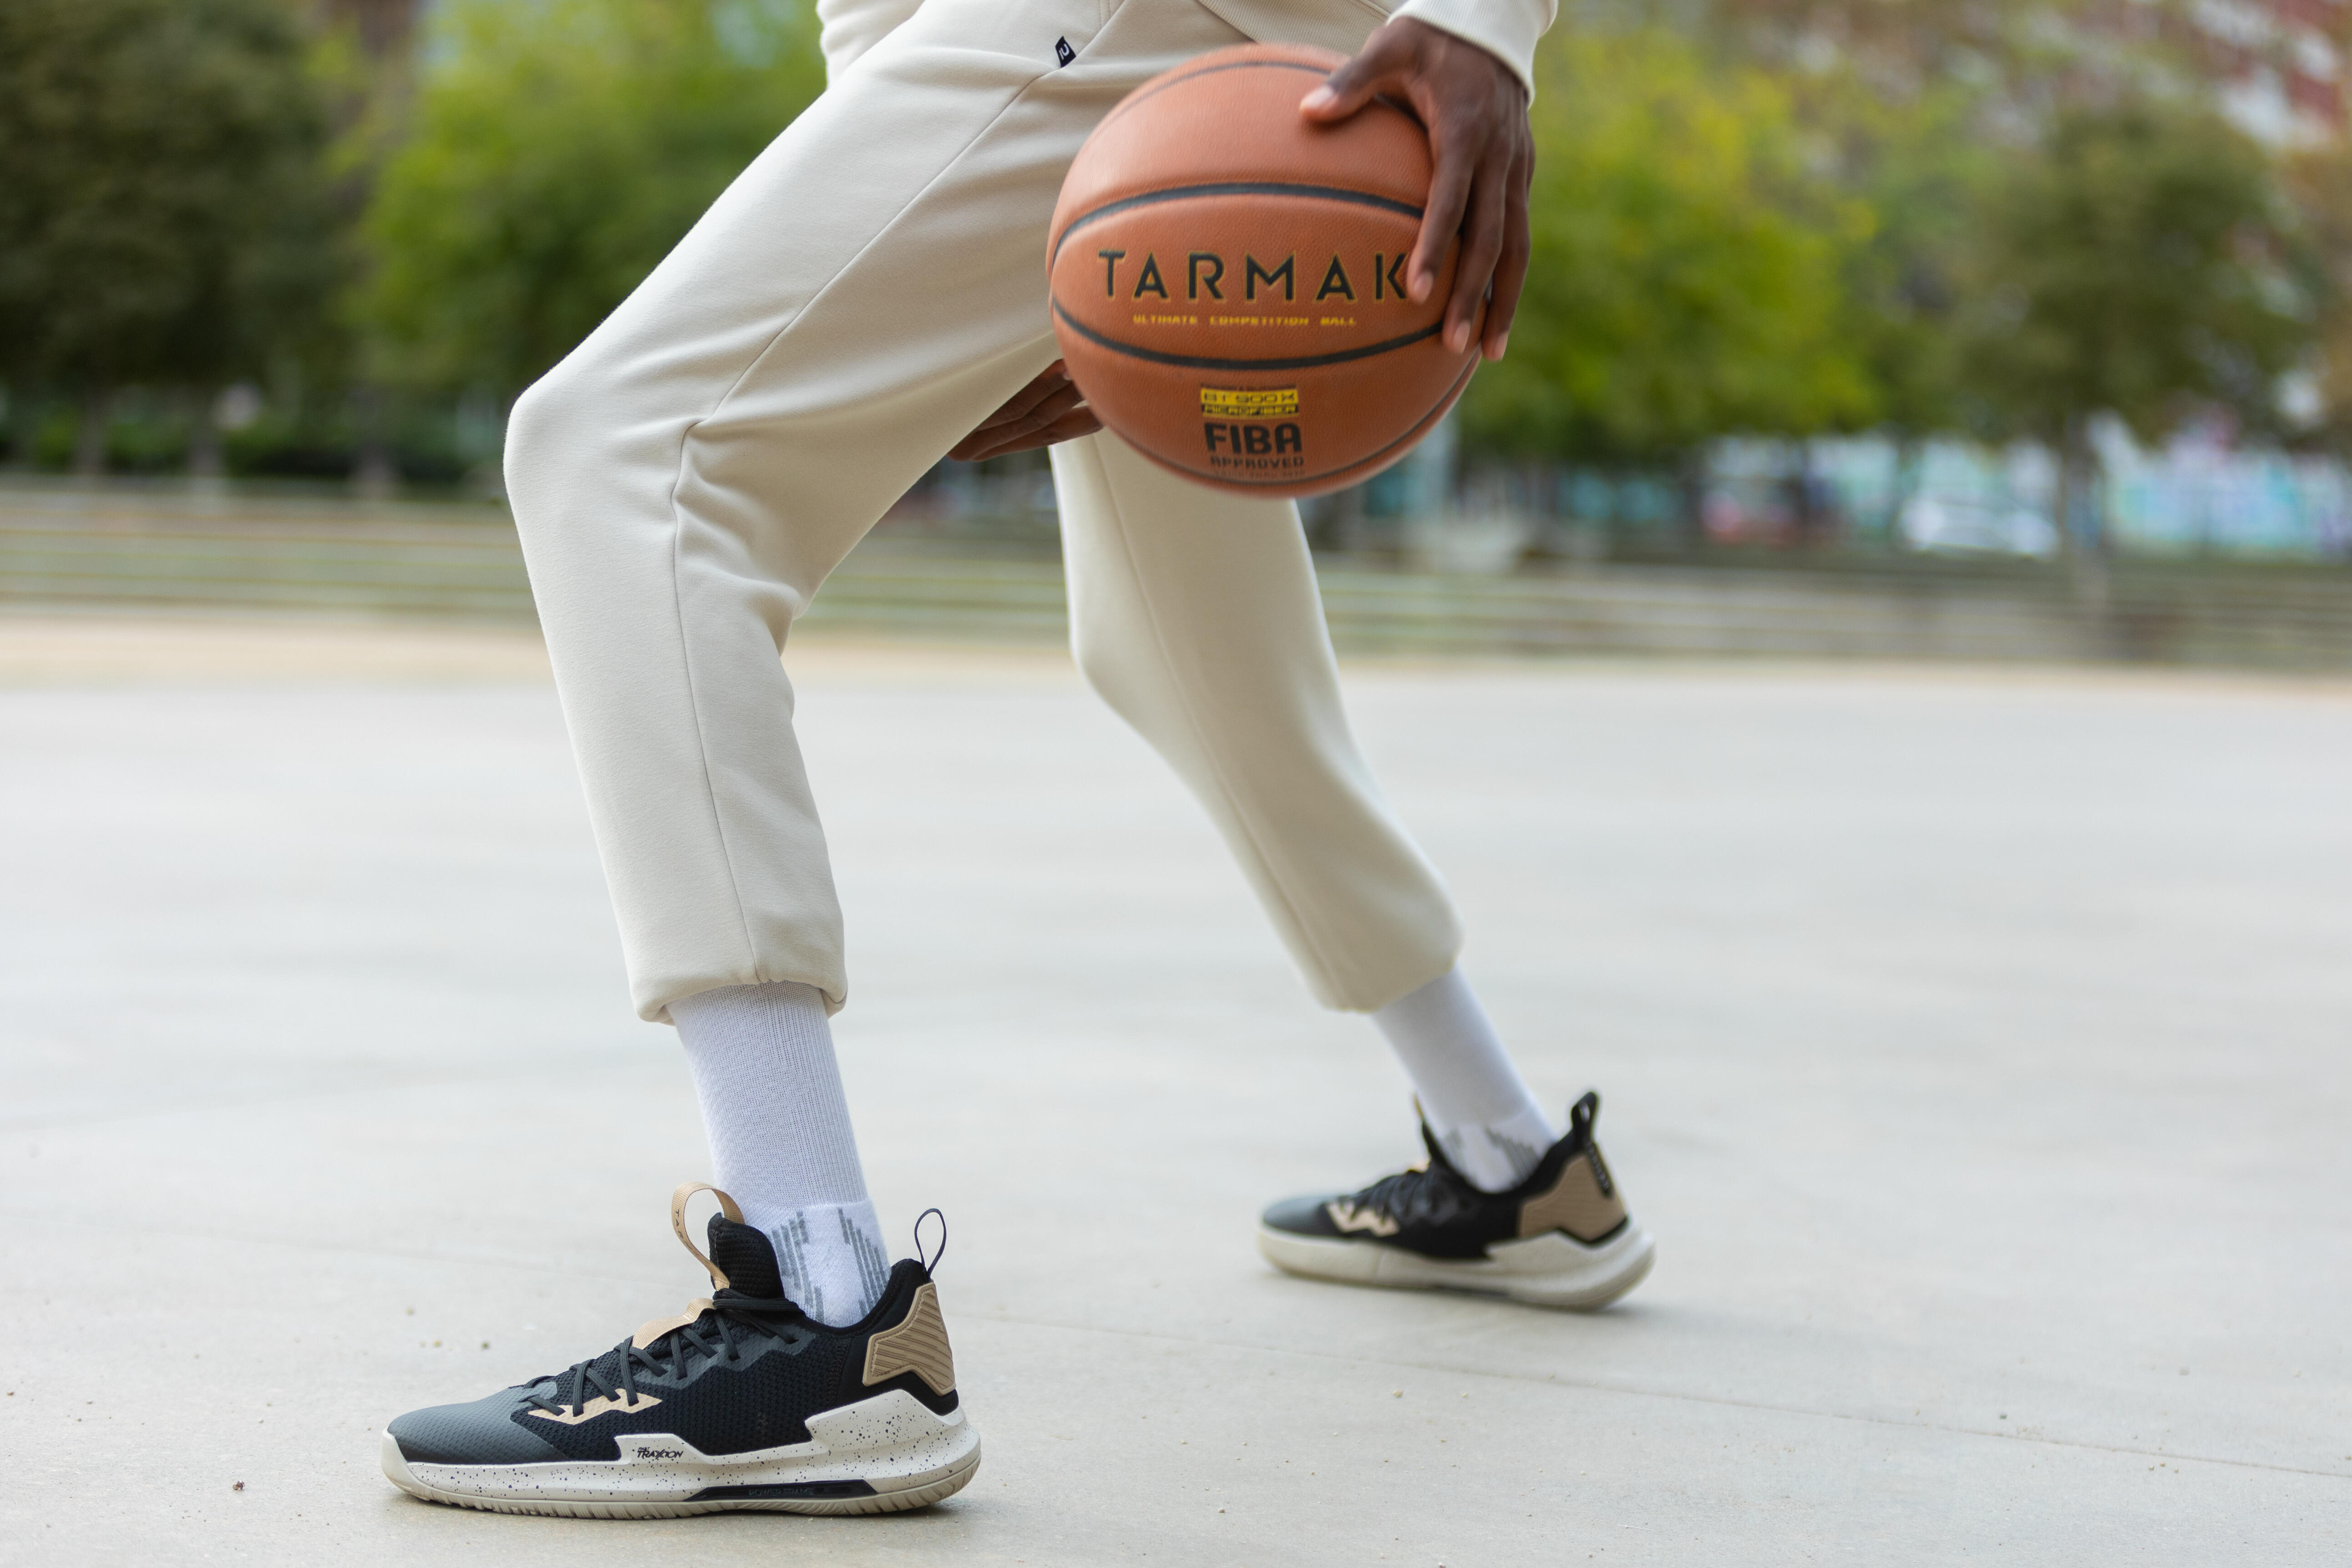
pixel 1001 580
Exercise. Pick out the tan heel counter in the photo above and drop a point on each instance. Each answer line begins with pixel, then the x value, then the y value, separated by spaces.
pixel 1584 1201
pixel 918 1344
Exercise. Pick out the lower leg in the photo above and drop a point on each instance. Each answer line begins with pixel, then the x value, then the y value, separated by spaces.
pixel 1471 1093
pixel 781 1142
pixel 1196 616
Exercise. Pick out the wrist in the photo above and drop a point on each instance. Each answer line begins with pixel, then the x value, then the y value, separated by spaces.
pixel 1504 30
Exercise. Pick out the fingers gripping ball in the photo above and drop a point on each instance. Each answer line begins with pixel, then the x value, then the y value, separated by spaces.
pixel 1229 281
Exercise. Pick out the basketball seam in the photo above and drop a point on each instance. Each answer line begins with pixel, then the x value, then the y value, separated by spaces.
pixel 1279 188
pixel 1147 91
pixel 1232 188
pixel 1202 362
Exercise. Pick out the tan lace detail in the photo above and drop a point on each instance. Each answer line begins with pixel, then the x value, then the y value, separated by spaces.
pixel 678 1202
pixel 649 1333
pixel 918 1344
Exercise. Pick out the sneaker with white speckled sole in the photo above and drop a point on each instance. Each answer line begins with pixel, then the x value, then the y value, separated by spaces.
pixel 1560 1238
pixel 741 1402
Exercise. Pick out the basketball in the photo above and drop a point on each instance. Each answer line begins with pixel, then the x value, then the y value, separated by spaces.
pixel 1228 279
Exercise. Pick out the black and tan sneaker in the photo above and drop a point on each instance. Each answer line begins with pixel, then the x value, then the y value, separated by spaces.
pixel 741 1402
pixel 1560 1238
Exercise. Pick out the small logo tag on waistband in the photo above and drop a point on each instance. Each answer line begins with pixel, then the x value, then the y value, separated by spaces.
pixel 1063 53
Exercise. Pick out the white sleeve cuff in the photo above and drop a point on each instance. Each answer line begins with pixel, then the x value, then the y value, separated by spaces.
pixel 1506 29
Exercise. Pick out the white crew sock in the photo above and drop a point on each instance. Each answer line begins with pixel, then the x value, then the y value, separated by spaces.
pixel 1471 1095
pixel 781 1143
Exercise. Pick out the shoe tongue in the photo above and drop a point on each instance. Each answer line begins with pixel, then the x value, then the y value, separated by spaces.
pixel 1437 1160
pixel 745 1256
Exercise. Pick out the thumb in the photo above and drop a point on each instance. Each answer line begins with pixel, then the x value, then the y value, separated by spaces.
pixel 1352 86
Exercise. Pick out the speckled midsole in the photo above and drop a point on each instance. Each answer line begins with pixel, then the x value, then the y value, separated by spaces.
pixel 1550 1270
pixel 889 1443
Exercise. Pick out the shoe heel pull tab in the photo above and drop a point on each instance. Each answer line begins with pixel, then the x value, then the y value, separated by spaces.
pixel 932 1262
pixel 1581 1114
pixel 727 1205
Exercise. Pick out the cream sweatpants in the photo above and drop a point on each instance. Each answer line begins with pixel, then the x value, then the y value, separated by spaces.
pixel 869 289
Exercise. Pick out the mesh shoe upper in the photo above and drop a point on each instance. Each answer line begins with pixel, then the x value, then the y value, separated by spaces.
pixel 1435 1210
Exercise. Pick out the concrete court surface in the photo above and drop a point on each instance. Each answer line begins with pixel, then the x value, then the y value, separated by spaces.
pixel 1979 1047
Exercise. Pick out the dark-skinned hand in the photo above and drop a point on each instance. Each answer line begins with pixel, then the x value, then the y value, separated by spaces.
pixel 1476 112
pixel 1048 410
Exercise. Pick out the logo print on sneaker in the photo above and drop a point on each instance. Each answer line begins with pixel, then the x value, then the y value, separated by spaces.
pixel 1348 1216
pixel 601 1404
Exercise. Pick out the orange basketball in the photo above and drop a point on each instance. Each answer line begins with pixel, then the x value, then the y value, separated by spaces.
pixel 1228 279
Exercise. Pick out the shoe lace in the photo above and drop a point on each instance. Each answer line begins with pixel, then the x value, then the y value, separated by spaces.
pixel 726 1326
pixel 666 1350
pixel 1402 1196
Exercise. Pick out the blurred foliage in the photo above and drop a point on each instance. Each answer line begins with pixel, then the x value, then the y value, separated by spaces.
pixel 162 197
pixel 1688 263
pixel 2319 182
pixel 2028 57
pixel 2144 262
pixel 1921 170
pixel 1755 216
pixel 558 149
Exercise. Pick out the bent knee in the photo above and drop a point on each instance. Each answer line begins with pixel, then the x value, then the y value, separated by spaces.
pixel 1106 650
pixel 557 430
pixel 536 426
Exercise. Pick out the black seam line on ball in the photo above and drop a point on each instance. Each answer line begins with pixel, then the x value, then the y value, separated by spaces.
pixel 1415 434
pixel 1213 70
pixel 1202 362
pixel 1234 188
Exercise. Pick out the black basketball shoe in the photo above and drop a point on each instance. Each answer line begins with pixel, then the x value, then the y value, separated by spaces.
pixel 741 1402
pixel 1560 1238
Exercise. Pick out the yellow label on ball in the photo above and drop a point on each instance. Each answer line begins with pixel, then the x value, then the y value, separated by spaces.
pixel 1274 403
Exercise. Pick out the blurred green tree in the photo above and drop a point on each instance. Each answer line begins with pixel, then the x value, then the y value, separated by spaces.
pixel 1902 48
pixel 163 213
pixel 559 149
pixel 2320 181
pixel 1921 164
pixel 1688 270
pixel 2142 263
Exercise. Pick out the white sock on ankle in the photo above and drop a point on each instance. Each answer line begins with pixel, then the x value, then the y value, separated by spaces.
pixel 781 1143
pixel 1471 1095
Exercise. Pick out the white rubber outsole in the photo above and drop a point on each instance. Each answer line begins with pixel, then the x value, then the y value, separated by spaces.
pixel 1551 1270
pixel 910 1493
pixel 902 1475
